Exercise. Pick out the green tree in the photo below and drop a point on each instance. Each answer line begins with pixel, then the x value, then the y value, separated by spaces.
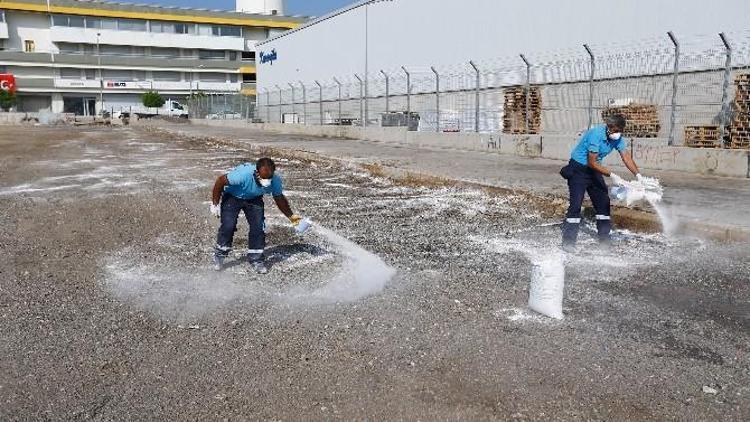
pixel 153 99
pixel 7 100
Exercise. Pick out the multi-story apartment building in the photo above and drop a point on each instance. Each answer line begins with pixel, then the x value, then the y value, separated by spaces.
pixel 84 56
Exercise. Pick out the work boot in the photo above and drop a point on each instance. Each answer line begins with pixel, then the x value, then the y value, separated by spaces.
pixel 218 263
pixel 259 267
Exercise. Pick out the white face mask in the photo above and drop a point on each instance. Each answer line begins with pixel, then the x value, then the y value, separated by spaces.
pixel 615 136
pixel 265 182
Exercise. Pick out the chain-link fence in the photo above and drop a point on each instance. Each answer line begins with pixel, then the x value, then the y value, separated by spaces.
pixel 667 87
pixel 221 106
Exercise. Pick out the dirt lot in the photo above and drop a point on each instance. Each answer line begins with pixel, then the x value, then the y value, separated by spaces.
pixel 406 302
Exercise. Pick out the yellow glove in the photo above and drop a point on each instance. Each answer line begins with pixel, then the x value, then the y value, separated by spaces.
pixel 295 219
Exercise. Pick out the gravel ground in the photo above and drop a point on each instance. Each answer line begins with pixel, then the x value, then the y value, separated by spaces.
pixel 406 302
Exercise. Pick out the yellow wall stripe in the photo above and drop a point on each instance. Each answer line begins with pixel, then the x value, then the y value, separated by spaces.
pixel 253 22
pixel 247 69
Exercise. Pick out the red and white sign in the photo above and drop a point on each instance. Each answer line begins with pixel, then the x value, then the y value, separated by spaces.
pixel 7 82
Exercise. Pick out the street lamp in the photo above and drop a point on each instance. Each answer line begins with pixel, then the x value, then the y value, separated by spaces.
pixel 367 55
pixel 192 76
pixel 101 77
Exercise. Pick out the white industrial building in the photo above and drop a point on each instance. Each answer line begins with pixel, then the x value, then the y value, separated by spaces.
pixel 387 34
pixel 386 50
pixel 82 56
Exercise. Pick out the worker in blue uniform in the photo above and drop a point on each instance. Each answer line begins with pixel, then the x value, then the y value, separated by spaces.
pixel 242 189
pixel 585 174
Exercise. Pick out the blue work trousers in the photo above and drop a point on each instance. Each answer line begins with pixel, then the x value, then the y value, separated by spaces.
pixel 254 213
pixel 581 180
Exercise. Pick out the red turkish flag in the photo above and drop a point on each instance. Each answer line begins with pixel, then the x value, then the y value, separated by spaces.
pixel 7 82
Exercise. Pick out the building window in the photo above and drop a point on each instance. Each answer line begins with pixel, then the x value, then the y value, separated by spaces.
pixel 131 25
pixel 117 75
pixel 233 77
pixel 89 73
pixel 29 46
pixel 115 50
pixel 204 29
pixel 227 31
pixel 248 56
pixel 70 73
pixel 213 77
pixel 93 23
pixel 211 54
pixel 165 52
pixel 167 27
pixel 69 48
pixel 167 76
pixel 108 24
pixel 59 20
pixel 249 77
pixel 76 22
pixel 232 55
pixel 184 28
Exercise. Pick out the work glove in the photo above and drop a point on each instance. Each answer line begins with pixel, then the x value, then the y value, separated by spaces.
pixel 295 219
pixel 617 180
pixel 215 210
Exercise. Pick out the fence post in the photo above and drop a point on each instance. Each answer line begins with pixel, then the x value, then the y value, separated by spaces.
pixel 437 97
pixel 408 90
pixel 387 92
pixel 361 110
pixel 281 108
pixel 476 97
pixel 339 100
pixel 591 85
pixel 675 73
pixel 304 102
pixel 268 105
pixel 294 108
pixel 527 94
pixel 320 101
pixel 725 90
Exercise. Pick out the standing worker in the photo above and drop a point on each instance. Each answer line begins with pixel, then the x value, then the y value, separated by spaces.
pixel 242 189
pixel 585 173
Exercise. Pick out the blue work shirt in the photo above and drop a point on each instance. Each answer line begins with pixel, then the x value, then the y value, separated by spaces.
pixel 596 140
pixel 242 183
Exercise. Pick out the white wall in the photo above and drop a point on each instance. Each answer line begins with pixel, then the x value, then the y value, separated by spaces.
pixel 28 26
pixel 421 33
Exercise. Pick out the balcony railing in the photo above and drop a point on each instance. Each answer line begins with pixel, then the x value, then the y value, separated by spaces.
pixel 112 85
pixel 144 39
pixel 133 61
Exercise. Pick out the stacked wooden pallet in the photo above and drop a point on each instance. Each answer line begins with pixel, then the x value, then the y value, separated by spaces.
pixel 514 118
pixel 740 133
pixel 642 119
pixel 707 136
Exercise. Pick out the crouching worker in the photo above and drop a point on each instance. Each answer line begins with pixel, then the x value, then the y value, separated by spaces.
pixel 242 189
pixel 585 173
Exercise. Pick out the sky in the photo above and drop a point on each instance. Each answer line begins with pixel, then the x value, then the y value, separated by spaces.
pixel 294 7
